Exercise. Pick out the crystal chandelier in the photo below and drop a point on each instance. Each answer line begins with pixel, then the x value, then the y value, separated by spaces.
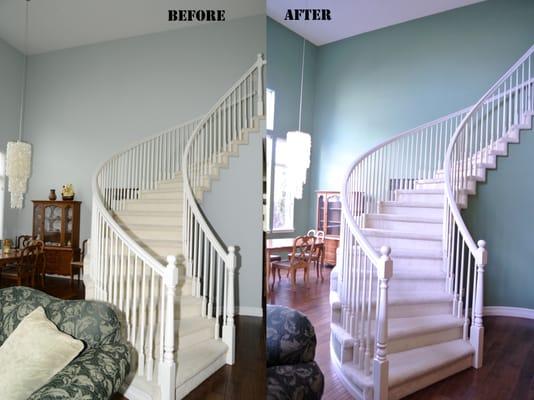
pixel 299 144
pixel 19 153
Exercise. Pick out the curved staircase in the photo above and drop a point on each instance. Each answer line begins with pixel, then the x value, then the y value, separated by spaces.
pixel 407 296
pixel 155 256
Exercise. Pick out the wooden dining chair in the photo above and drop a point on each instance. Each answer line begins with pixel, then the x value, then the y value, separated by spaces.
pixel 24 269
pixel 300 258
pixel 76 267
pixel 40 267
pixel 22 241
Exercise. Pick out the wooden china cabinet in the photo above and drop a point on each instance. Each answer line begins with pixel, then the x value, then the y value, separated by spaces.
pixel 57 223
pixel 329 221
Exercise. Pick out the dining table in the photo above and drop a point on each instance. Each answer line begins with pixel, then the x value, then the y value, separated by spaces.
pixel 9 258
pixel 279 245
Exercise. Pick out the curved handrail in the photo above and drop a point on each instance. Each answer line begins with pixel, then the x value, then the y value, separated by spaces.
pixel 450 198
pixel 373 254
pixel 188 186
pixel 106 211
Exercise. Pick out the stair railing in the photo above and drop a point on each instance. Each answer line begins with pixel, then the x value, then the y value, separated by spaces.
pixel 401 163
pixel 125 274
pixel 493 121
pixel 372 180
pixel 209 262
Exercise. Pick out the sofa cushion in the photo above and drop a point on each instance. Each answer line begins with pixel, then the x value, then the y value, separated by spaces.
pixel 34 352
pixel 290 336
pixel 92 322
pixel 295 382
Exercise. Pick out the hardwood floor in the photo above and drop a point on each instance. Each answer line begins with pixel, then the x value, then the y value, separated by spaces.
pixel 507 374
pixel 57 287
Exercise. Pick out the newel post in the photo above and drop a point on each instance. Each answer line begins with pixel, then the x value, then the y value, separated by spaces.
pixel 228 330
pixel 260 85
pixel 477 328
pixel 380 362
pixel 168 364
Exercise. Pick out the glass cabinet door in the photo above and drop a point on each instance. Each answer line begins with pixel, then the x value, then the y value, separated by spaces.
pixel 320 213
pixel 37 221
pixel 52 225
pixel 68 226
pixel 333 215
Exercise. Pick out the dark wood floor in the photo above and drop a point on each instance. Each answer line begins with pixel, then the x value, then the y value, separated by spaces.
pixel 507 374
pixel 244 380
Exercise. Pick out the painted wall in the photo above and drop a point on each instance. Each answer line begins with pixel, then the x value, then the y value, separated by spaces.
pixel 284 55
pixel 85 104
pixel 11 62
pixel 375 85
pixel 503 219
pixel 240 224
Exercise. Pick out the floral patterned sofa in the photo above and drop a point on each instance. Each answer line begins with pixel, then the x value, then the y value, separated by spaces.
pixel 291 372
pixel 100 369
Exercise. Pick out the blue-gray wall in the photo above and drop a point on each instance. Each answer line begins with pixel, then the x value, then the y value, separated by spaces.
pixel 284 55
pixel 86 103
pixel 11 62
pixel 377 84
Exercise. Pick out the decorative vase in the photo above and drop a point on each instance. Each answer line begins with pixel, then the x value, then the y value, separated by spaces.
pixel 52 195
pixel 68 198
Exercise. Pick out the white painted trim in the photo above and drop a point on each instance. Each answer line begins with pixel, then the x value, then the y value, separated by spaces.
pixel 501 311
pixel 249 311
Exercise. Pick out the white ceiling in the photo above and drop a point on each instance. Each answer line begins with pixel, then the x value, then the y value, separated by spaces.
pixel 60 24
pixel 352 17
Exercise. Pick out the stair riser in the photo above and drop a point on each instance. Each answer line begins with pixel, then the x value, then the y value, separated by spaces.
pixel 424 339
pixel 162 195
pixel 417 310
pixel 152 234
pixel 171 185
pixel 164 251
pixel 396 345
pixel 195 337
pixel 404 226
pixel 171 220
pixel 411 211
pixel 141 205
pixel 400 391
pixel 478 173
pixel 424 285
pixel 416 264
pixel 186 310
pixel 404 243
pixel 429 185
pixel 421 197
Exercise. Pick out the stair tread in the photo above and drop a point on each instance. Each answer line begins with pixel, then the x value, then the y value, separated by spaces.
pixel 410 364
pixel 406 218
pixel 194 359
pixel 400 234
pixel 154 213
pixel 415 204
pixel 151 227
pixel 399 328
pixel 420 191
pixel 192 325
pixel 399 252
pixel 419 297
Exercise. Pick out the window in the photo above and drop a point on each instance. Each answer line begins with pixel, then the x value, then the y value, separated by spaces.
pixel 270 110
pixel 2 188
pixel 283 199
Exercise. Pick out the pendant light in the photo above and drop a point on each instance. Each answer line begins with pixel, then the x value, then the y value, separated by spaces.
pixel 299 144
pixel 19 153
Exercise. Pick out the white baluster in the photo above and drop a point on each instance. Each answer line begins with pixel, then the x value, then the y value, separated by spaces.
pixel 167 376
pixel 229 327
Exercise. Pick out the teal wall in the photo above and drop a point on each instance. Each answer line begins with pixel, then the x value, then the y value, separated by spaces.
pixel 502 214
pixel 11 62
pixel 375 85
pixel 284 55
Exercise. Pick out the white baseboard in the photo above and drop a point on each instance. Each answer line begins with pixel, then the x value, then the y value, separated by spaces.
pixel 502 311
pixel 250 311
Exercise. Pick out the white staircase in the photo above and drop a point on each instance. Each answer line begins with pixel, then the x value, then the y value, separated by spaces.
pixel 407 297
pixel 156 257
